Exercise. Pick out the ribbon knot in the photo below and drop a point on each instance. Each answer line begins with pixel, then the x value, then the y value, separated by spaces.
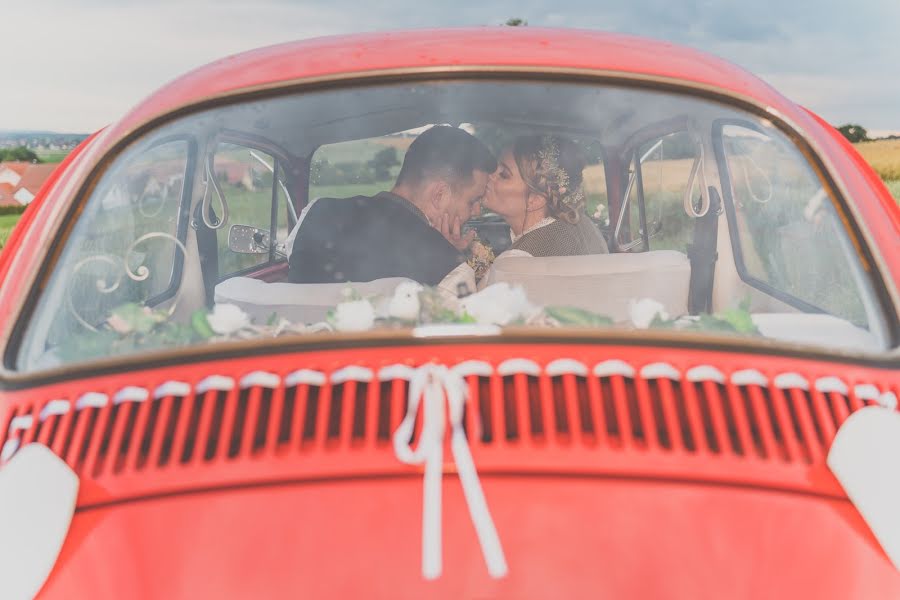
pixel 429 386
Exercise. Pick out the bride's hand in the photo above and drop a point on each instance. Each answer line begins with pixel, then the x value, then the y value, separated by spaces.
pixel 451 229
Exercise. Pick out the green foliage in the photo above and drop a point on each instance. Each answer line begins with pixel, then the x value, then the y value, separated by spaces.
pixel 854 133
pixel 19 153
pixel 12 210
pixel 735 320
pixel 6 225
pixel 516 22
pixel 132 328
pixel 577 317
pixel 382 163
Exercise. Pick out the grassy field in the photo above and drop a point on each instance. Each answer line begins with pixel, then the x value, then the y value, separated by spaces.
pixel 884 156
pixel 6 225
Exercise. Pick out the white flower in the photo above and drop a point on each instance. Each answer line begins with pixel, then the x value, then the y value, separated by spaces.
pixel 356 315
pixel 405 302
pixel 643 311
pixel 227 318
pixel 498 304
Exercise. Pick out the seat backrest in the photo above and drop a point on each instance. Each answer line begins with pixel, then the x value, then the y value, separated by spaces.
pixel 297 302
pixel 601 283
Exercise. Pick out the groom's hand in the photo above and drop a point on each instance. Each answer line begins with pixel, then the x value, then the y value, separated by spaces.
pixel 452 230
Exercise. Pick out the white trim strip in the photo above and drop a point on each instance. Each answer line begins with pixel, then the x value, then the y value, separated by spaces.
pixel 888 400
pixel 91 400
pixel 831 385
pixel 305 377
pixel 786 381
pixel 352 373
pixel 613 367
pixel 867 391
pixel 566 366
pixel 749 377
pixel 660 370
pixel 9 448
pixel 479 368
pixel 22 422
pixel 704 373
pixel 55 407
pixel 218 383
pixel 262 379
pixel 519 365
pixel 131 394
pixel 172 388
pixel 396 371
pixel 455 330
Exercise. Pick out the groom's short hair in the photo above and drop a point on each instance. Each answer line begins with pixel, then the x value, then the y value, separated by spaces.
pixel 446 152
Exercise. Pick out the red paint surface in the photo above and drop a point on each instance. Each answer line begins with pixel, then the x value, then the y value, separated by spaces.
pixel 577 517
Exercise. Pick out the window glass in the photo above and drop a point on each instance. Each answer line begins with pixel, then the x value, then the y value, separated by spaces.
pixel 790 235
pixel 668 163
pixel 244 176
pixel 127 245
pixel 526 166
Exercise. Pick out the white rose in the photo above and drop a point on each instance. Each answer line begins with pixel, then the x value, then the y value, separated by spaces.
pixel 405 302
pixel 498 304
pixel 227 318
pixel 643 311
pixel 356 315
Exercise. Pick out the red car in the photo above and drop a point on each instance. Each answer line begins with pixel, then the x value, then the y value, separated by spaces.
pixel 236 323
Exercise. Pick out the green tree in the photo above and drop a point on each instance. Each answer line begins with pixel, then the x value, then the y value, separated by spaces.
pixel 854 133
pixel 20 153
pixel 382 162
pixel 516 22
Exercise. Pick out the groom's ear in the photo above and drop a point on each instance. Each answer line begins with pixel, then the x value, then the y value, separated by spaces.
pixel 438 191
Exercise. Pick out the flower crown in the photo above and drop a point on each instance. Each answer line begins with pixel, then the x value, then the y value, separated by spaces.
pixel 557 179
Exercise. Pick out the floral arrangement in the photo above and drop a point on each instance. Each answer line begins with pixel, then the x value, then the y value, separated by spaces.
pixel 555 176
pixel 132 327
pixel 480 257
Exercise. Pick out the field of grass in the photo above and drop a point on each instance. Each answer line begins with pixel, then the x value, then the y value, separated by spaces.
pixel 6 225
pixel 52 157
pixel 884 156
pixel 894 186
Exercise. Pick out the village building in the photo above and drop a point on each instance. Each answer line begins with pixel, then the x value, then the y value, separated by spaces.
pixel 20 181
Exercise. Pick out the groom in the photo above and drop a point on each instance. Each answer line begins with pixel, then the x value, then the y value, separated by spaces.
pixel 411 231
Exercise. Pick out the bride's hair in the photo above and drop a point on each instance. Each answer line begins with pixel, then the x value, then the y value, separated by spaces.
pixel 553 167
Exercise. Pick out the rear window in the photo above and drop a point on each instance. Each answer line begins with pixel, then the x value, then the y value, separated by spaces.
pixel 457 206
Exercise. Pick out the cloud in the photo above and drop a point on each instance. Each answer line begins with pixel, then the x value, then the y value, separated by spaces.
pixel 84 66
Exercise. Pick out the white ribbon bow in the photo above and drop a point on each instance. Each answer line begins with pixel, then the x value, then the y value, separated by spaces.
pixel 434 382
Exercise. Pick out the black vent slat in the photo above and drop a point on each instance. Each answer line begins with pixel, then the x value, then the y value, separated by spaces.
pixel 747 420
pixel 215 427
pixel 190 437
pixel 609 410
pixel 681 413
pixel 662 431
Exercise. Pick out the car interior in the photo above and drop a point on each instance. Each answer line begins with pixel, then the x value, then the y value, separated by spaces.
pixel 673 205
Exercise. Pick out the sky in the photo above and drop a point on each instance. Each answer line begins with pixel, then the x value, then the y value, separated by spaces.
pixel 75 66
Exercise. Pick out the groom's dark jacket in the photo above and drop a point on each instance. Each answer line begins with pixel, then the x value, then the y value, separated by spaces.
pixel 365 238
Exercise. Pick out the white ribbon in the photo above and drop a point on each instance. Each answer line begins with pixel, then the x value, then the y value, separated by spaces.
pixel 434 382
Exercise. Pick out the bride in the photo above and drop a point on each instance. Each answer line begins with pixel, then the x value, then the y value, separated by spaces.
pixel 538 190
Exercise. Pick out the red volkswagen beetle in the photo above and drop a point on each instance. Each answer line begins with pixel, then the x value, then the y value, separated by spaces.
pixel 484 312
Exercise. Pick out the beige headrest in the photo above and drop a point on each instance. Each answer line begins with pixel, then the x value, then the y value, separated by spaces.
pixel 297 302
pixel 602 283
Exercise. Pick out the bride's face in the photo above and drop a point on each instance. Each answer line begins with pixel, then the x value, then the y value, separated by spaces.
pixel 506 192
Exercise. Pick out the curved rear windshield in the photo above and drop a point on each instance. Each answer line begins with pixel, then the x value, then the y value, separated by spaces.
pixel 454 207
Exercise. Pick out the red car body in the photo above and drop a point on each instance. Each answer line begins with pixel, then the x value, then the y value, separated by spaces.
pixel 698 470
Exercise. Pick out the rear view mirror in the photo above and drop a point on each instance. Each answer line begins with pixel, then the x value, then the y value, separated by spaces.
pixel 246 239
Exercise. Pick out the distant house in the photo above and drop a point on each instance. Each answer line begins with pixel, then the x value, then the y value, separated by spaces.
pixel 20 181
